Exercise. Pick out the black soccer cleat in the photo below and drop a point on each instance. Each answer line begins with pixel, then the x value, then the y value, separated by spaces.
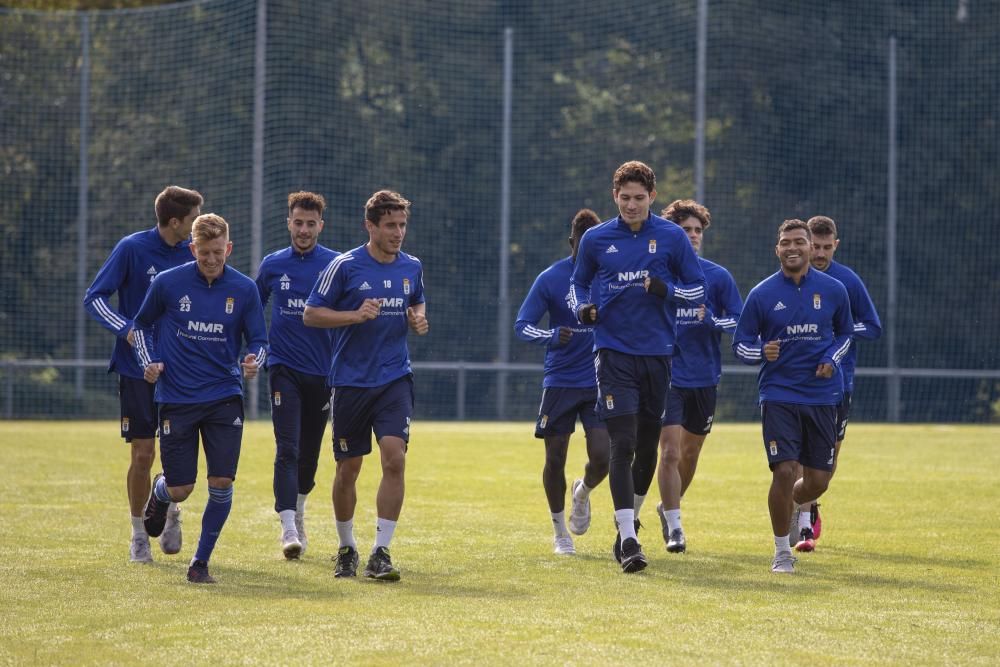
pixel 616 549
pixel 676 544
pixel 633 560
pixel 380 567
pixel 198 573
pixel 347 562
pixel 154 517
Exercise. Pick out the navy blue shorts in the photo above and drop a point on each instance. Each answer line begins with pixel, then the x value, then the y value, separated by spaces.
pixel 561 406
pixel 138 409
pixel 630 384
pixel 300 408
pixel 220 424
pixel 843 412
pixel 357 411
pixel 803 433
pixel 693 409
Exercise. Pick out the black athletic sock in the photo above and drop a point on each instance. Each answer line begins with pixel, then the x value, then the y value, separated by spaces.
pixel 644 466
pixel 622 433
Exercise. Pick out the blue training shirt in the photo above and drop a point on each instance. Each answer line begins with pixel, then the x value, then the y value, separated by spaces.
pixel 129 270
pixel 867 325
pixel 372 353
pixel 611 266
pixel 569 365
pixel 812 321
pixel 200 329
pixel 290 275
pixel 697 360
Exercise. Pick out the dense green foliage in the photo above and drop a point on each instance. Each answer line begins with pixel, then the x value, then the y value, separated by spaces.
pixel 408 95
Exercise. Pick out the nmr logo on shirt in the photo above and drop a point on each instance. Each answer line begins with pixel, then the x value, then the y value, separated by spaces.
pixel 628 276
pixel 204 327
pixel 687 312
pixel 297 303
pixel 391 302
pixel 802 329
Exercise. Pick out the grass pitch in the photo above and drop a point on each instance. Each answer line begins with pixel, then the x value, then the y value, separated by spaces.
pixel 906 571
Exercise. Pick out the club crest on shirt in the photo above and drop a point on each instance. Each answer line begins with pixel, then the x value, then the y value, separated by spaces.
pixel 773 447
pixel 165 428
pixel 406 285
pixel 817 303
pixel 124 424
pixel 609 401
pixel 652 246
pixel 277 398
pixel 229 305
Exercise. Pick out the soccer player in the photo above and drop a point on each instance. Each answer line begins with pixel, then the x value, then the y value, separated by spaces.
pixel 201 311
pixel 371 295
pixel 804 317
pixel 129 270
pixel 867 326
pixel 298 362
pixel 695 371
pixel 633 333
pixel 569 390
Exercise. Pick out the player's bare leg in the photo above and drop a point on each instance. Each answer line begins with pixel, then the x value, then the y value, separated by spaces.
pixel 691 444
pixel 345 499
pixel 143 453
pixel 388 503
pixel 779 505
pixel 554 482
pixel 594 472
pixel 669 480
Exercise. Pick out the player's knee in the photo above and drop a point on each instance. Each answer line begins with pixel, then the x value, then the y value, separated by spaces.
pixel 348 470
pixel 220 482
pixel 785 473
pixel 180 493
pixel 143 454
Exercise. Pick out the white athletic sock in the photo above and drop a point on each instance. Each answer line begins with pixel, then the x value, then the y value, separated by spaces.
pixel 383 533
pixel 626 527
pixel 287 519
pixel 138 528
pixel 582 492
pixel 345 531
pixel 637 502
pixel 300 503
pixel 781 543
pixel 559 523
pixel 673 518
pixel 804 521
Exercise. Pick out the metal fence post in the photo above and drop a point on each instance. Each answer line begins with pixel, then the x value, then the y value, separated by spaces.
pixel 893 382
pixel 503 314
pixel 257 188
pixel 81 219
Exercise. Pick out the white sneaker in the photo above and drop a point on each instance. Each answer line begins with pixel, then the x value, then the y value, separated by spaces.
pixel 171 538
pixel 563 545
pixel 579 516
pixel 300 526
pixel 784 562
pixel 138 550
pixel 290 545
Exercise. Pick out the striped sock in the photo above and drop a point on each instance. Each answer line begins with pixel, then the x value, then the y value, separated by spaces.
pixel 220 501
pixel 160 491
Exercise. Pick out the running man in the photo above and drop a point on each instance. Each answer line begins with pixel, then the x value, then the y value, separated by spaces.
pixel 695 371
pixel 202 311
pixel 372 294
pixel 633 333
pixel 128 271
pixel 804 319
pixel 569 390
pixel 867 326
pixel 298 362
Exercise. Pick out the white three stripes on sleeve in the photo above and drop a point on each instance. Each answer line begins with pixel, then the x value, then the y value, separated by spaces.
pixel 104 309
pixel 842 350
pixel 326 278
pixel 140 347
pixel 535 332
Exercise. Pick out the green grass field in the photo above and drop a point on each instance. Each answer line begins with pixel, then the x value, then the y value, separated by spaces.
pixel 906 571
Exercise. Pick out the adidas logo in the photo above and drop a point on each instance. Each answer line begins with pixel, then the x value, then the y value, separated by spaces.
pixel 284 278
pixel 364 286
pixel 151 271
pixel 611 249
pixel 185 299
pixel 779 306
pixel 237 422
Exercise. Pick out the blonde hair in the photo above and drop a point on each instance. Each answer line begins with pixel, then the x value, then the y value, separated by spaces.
pixel 208 227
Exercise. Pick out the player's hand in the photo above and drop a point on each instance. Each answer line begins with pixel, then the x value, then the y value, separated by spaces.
pixel 771 350
pixel 130 337
pixel 701 313
pixel 417 321
pixel 587 313
pixel 655 286
pixel 152 372
pixel 249 365
pixel 368 310
pixel 565 333
pixel 824 371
